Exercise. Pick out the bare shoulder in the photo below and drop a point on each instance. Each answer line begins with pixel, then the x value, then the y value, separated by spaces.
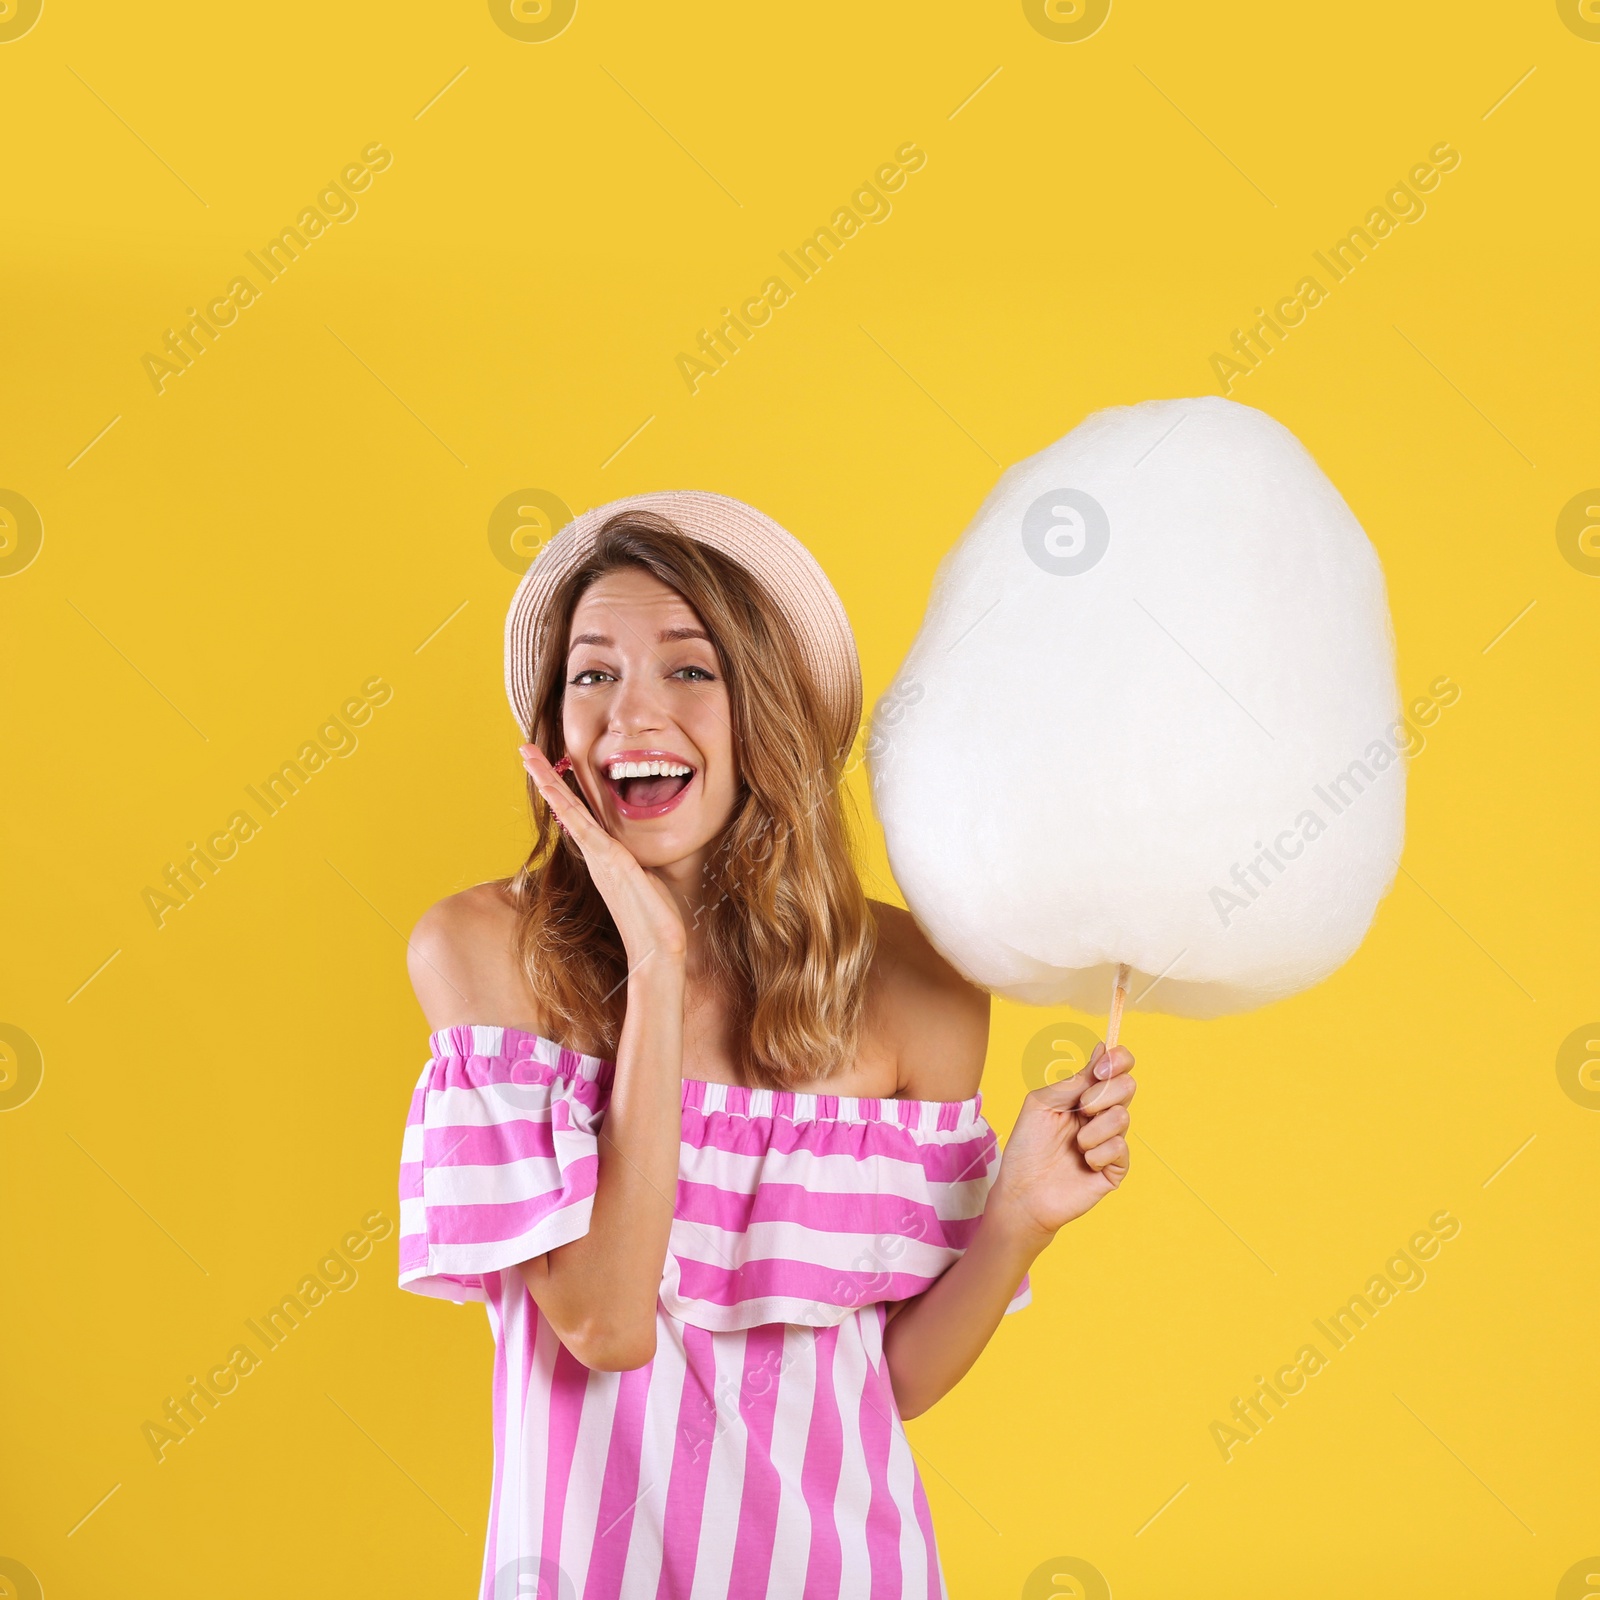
pixel 931 1018
pixel 462 964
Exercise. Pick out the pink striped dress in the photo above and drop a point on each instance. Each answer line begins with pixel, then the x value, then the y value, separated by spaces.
pixel 760 1453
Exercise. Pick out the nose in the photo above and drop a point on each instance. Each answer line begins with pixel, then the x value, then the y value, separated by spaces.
pixel 636 706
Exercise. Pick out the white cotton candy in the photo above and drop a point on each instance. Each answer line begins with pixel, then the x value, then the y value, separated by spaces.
pixel 1151 717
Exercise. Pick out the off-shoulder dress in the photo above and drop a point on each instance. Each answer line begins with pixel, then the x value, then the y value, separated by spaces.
pixel 760 1453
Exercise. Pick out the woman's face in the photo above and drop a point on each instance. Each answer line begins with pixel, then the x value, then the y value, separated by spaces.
pixel 644 685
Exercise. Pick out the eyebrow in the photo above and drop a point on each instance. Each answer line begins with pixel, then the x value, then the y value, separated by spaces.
pixel 666 636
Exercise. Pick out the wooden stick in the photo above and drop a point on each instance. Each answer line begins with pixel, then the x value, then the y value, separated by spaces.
pixel 1119 996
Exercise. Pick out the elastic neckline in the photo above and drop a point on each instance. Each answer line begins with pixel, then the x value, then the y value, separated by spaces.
pixel 711 1095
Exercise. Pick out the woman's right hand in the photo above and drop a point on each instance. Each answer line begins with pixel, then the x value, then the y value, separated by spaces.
pixel 641 905
pixel 600 1292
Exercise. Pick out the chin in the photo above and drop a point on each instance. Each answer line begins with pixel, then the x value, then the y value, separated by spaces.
pixel 659 856
pixel 661 844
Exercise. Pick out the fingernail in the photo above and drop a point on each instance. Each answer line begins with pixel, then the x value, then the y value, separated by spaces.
pixel 1103 1070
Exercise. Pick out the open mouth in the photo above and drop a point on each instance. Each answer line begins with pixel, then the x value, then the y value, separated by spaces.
pixel 647 787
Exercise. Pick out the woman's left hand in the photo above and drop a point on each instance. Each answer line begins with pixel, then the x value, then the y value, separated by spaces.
pixel 1069 1147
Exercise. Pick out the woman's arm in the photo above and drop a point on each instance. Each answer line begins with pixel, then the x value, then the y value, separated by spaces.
pixel 598 1291
pixel 1066 1151
pixel 932 1340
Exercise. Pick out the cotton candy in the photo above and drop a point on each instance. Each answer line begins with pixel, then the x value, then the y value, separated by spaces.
pixel 1151 716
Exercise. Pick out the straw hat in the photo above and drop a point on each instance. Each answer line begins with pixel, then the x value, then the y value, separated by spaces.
pixel 774 557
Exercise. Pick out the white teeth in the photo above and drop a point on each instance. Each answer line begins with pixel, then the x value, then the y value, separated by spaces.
pixel 648 769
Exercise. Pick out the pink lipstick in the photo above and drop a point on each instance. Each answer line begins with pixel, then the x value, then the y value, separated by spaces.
pixel 641 797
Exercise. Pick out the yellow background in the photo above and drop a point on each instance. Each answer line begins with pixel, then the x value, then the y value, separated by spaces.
pixel 308 506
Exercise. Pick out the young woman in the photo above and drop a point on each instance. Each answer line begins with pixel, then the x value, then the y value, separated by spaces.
pixel 701 1124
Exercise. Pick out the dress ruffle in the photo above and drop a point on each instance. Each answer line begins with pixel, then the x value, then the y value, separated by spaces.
pixel 791 1207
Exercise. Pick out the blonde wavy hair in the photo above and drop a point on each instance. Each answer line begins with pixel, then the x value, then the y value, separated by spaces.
pixel 789 935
